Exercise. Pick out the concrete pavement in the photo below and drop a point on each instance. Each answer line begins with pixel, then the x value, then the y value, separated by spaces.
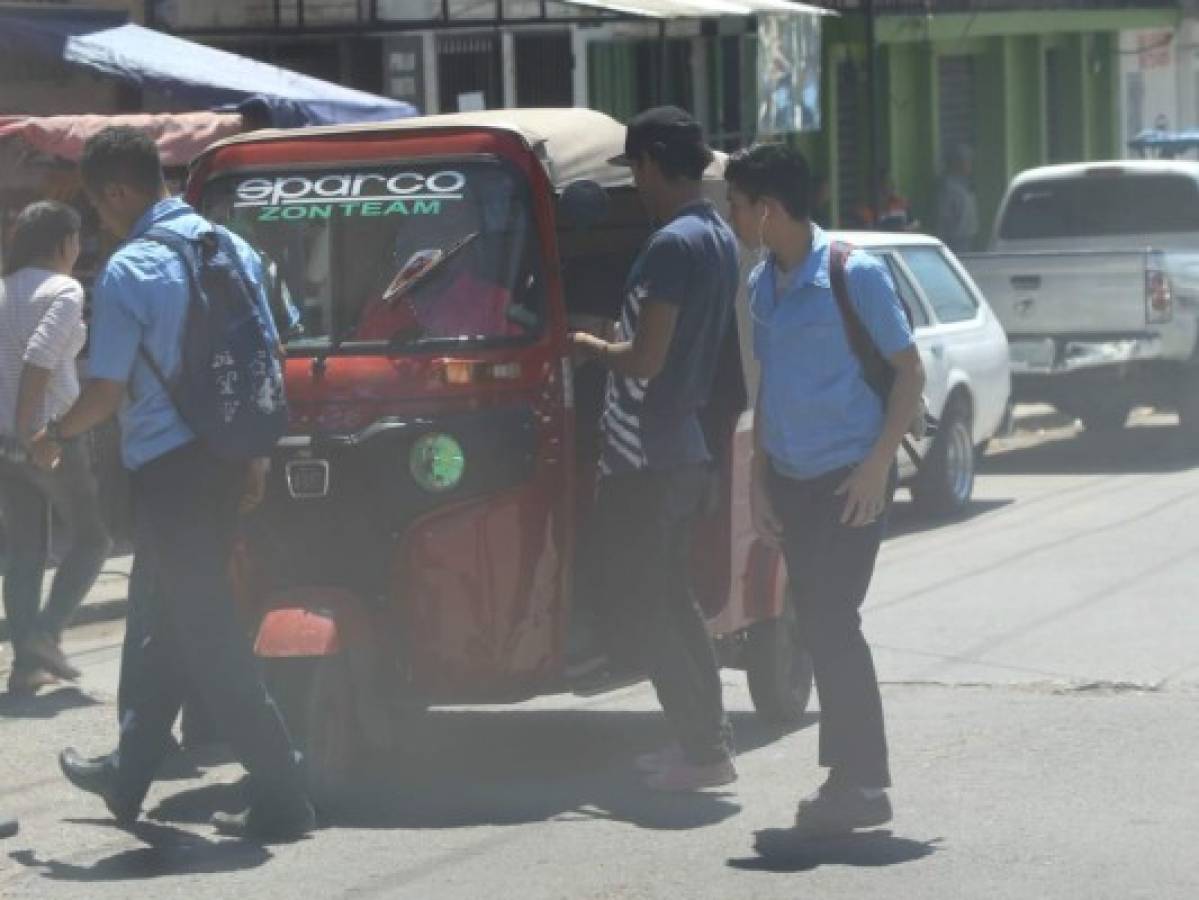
pixel 1041 683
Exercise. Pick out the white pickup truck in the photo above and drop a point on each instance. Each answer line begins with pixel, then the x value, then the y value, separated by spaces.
pixel 1094 272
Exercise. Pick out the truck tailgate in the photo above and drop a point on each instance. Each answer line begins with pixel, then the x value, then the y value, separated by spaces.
pixel 1064 293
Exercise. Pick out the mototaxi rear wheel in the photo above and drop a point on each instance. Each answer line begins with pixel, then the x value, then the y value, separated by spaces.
pixel 315 696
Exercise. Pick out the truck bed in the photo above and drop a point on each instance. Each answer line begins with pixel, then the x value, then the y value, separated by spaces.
pixel 1083 293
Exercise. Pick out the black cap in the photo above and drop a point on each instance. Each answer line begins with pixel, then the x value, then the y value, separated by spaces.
pixel 668 126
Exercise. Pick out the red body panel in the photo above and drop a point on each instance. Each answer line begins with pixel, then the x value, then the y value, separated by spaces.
pixel 485 596
pixel 480 590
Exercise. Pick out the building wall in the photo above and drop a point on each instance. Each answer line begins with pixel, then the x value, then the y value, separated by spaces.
pixel 1046 87
pixel 1157 78
pixel 131 9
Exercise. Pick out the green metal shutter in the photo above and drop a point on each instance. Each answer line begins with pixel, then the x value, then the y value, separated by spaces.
pixel 611 74
pixel 957 109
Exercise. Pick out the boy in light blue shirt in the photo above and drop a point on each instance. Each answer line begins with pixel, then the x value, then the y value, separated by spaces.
pixel 188 635
pixel 823 471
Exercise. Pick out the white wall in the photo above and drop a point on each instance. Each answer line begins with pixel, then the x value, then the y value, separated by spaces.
pixel 1158 72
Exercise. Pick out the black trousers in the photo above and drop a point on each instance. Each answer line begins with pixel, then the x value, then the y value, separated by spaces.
pixel 644 528
pixel 185 513
pixel 830 566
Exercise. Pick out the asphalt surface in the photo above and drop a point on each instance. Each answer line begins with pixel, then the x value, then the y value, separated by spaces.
pixel 1041 668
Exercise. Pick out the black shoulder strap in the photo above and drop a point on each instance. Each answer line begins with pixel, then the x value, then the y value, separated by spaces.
pixel 172 240
pixel 860 341
pixel 184 248
pixel 874 365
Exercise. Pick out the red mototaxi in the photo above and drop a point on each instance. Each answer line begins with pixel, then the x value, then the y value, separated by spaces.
pixel 420 535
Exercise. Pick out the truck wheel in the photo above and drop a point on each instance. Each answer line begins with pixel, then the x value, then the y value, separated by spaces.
pixel 315 696
pixel 1102 416
pixel 946 480
pixel 779 669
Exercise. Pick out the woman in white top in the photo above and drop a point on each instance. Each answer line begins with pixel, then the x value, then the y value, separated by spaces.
pixel 41 333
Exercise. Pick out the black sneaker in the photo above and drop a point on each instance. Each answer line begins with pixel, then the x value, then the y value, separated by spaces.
pixel 8 827
pixel 268 823
pixel 99 776
pixel 840 809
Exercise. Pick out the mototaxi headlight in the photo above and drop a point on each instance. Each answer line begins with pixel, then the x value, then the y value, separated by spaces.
pixel 437 462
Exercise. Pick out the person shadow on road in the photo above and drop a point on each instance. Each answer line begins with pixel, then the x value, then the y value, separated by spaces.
pixel 784 850
pixel 169 851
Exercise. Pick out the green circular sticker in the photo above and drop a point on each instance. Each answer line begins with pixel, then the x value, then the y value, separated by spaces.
pixel 437 462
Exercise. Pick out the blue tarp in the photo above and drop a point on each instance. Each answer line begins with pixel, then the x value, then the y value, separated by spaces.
pixel 1175 141
pixel 193 75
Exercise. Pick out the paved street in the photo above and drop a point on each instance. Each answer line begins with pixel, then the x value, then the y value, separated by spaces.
pixel 1041 662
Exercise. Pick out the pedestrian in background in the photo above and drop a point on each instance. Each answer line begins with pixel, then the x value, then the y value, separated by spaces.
pixel 823 470
pixel 655 466
pixel 890 212
pixel 186 501
pixel 41 334
pixel 957 207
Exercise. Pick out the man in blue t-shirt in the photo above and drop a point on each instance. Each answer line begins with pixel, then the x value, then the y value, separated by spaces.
pixel 823 470
pixel 185 630
pixel 655 465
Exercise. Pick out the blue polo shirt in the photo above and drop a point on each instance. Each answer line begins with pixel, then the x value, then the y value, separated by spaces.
pixel 818 412
pixel 141 300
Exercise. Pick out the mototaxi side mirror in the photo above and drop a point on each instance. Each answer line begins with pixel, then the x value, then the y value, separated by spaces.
pixel 583 204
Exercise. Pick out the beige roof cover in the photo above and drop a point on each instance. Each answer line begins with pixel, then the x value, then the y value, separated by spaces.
pixel 701 9
pixel 573 143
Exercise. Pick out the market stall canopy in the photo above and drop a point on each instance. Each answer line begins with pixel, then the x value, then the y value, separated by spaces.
pixel 192 74
pixel 180 136
pixel 701 9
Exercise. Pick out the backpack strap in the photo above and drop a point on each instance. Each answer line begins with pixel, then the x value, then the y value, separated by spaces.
pixel 185 249
pixel 172 240
pixel 860 341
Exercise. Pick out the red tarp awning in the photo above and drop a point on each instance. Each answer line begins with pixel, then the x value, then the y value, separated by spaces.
pixel 180 136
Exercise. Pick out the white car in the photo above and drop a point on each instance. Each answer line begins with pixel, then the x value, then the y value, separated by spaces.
pixel 965 355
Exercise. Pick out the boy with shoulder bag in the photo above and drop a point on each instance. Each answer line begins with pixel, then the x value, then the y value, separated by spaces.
pixel 826 434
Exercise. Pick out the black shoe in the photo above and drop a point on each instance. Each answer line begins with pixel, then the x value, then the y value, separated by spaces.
pixel 269 823
pixel 8 827
pixel 839 809
pixel 99 776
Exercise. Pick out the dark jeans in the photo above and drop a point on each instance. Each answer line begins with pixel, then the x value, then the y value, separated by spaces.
pixel 27 497
pixel 830 566
pixel 185 513
pixel 196 723
pixel 644 529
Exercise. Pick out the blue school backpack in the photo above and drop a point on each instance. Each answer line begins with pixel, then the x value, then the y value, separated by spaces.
pixel 229 390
